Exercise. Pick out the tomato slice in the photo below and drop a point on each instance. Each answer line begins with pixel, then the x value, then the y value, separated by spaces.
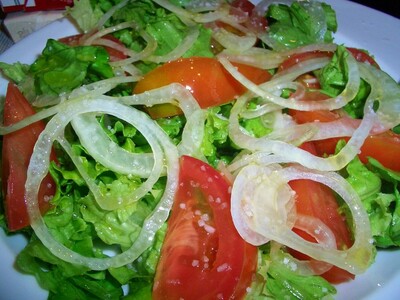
pixel 115 55
pixel 16 153
pixel 203 256
pixel 204 77
pixel 317 200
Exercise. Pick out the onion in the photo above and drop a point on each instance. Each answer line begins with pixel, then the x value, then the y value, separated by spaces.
pixel 268 59
pixel 185 15
pixel 261 204
pixel 39 165
pixel 346 96
pixel 233 41
pixel 387 92
pixel 106 152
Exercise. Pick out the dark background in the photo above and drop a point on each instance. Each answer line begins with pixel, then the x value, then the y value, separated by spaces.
pixel 391 7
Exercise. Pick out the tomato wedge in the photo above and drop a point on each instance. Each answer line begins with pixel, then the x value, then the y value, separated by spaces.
pixel 16 153
pixel 204 77
pixel 317 200
pixel 203 256
pixel 384 147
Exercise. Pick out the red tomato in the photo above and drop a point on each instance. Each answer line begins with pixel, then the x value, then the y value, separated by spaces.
pixel 203 256
pixel 255 22
pixel 17 150
pixel 115 55
pixel 292 60
pixel 317 200
pixel 384 147
pixel 362 56
pixel 204 77
pixel 300 57
pixel 244 5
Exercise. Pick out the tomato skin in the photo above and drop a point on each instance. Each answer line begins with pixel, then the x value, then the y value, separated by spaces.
pixel 115 55
pixel 384 147
pixel 317 200
pixel 16 153
pixel 196 263
pixel 362 56
pixel 300 57
pixel 257 23
pixel 204 77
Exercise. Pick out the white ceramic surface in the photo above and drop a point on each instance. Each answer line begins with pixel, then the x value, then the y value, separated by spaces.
pixel 358 27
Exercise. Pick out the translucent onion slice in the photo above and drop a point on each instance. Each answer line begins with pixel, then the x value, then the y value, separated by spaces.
pixel 331 163
pixel 323 235
pixel 386 92
pixel 348 94
pixel 185 14
pixel 39 165
pixel 181 49
pixel 106 152
pixel 177 94
pixel 268 59
pixel 302 267
pixel 260 212
pixel 233 41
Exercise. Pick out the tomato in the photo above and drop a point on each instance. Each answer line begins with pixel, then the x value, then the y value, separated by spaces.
pixel 16 153
pixel 244 5
pixel 256 22
pixel 384 147
pixel 115 55
pixel 292 60
pixel 203 256
pixel 362 56
pixel 317 200
pixel 204 77
pixel 300 57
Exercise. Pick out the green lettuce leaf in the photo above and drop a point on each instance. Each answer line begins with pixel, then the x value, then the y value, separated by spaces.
pixel 377 187
pixel 61 68
pixel 278 279
pixel 86 15
pixel 16 72
pixel 333 79
pixel 300 24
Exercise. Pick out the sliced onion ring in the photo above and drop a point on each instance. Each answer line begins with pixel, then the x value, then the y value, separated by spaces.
pixel 39 165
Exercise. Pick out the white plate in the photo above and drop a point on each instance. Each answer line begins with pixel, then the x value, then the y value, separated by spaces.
pixel 358 27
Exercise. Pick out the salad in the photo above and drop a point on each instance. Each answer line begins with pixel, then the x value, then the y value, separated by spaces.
pixel 179 148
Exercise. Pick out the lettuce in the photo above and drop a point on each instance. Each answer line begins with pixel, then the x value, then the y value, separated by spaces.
pixel 377 187
pixel 279 279
pixel 61 68
pixel 16 72
pixel 300 24
pixel 333 79
pixel 165 27
pixel 77 221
